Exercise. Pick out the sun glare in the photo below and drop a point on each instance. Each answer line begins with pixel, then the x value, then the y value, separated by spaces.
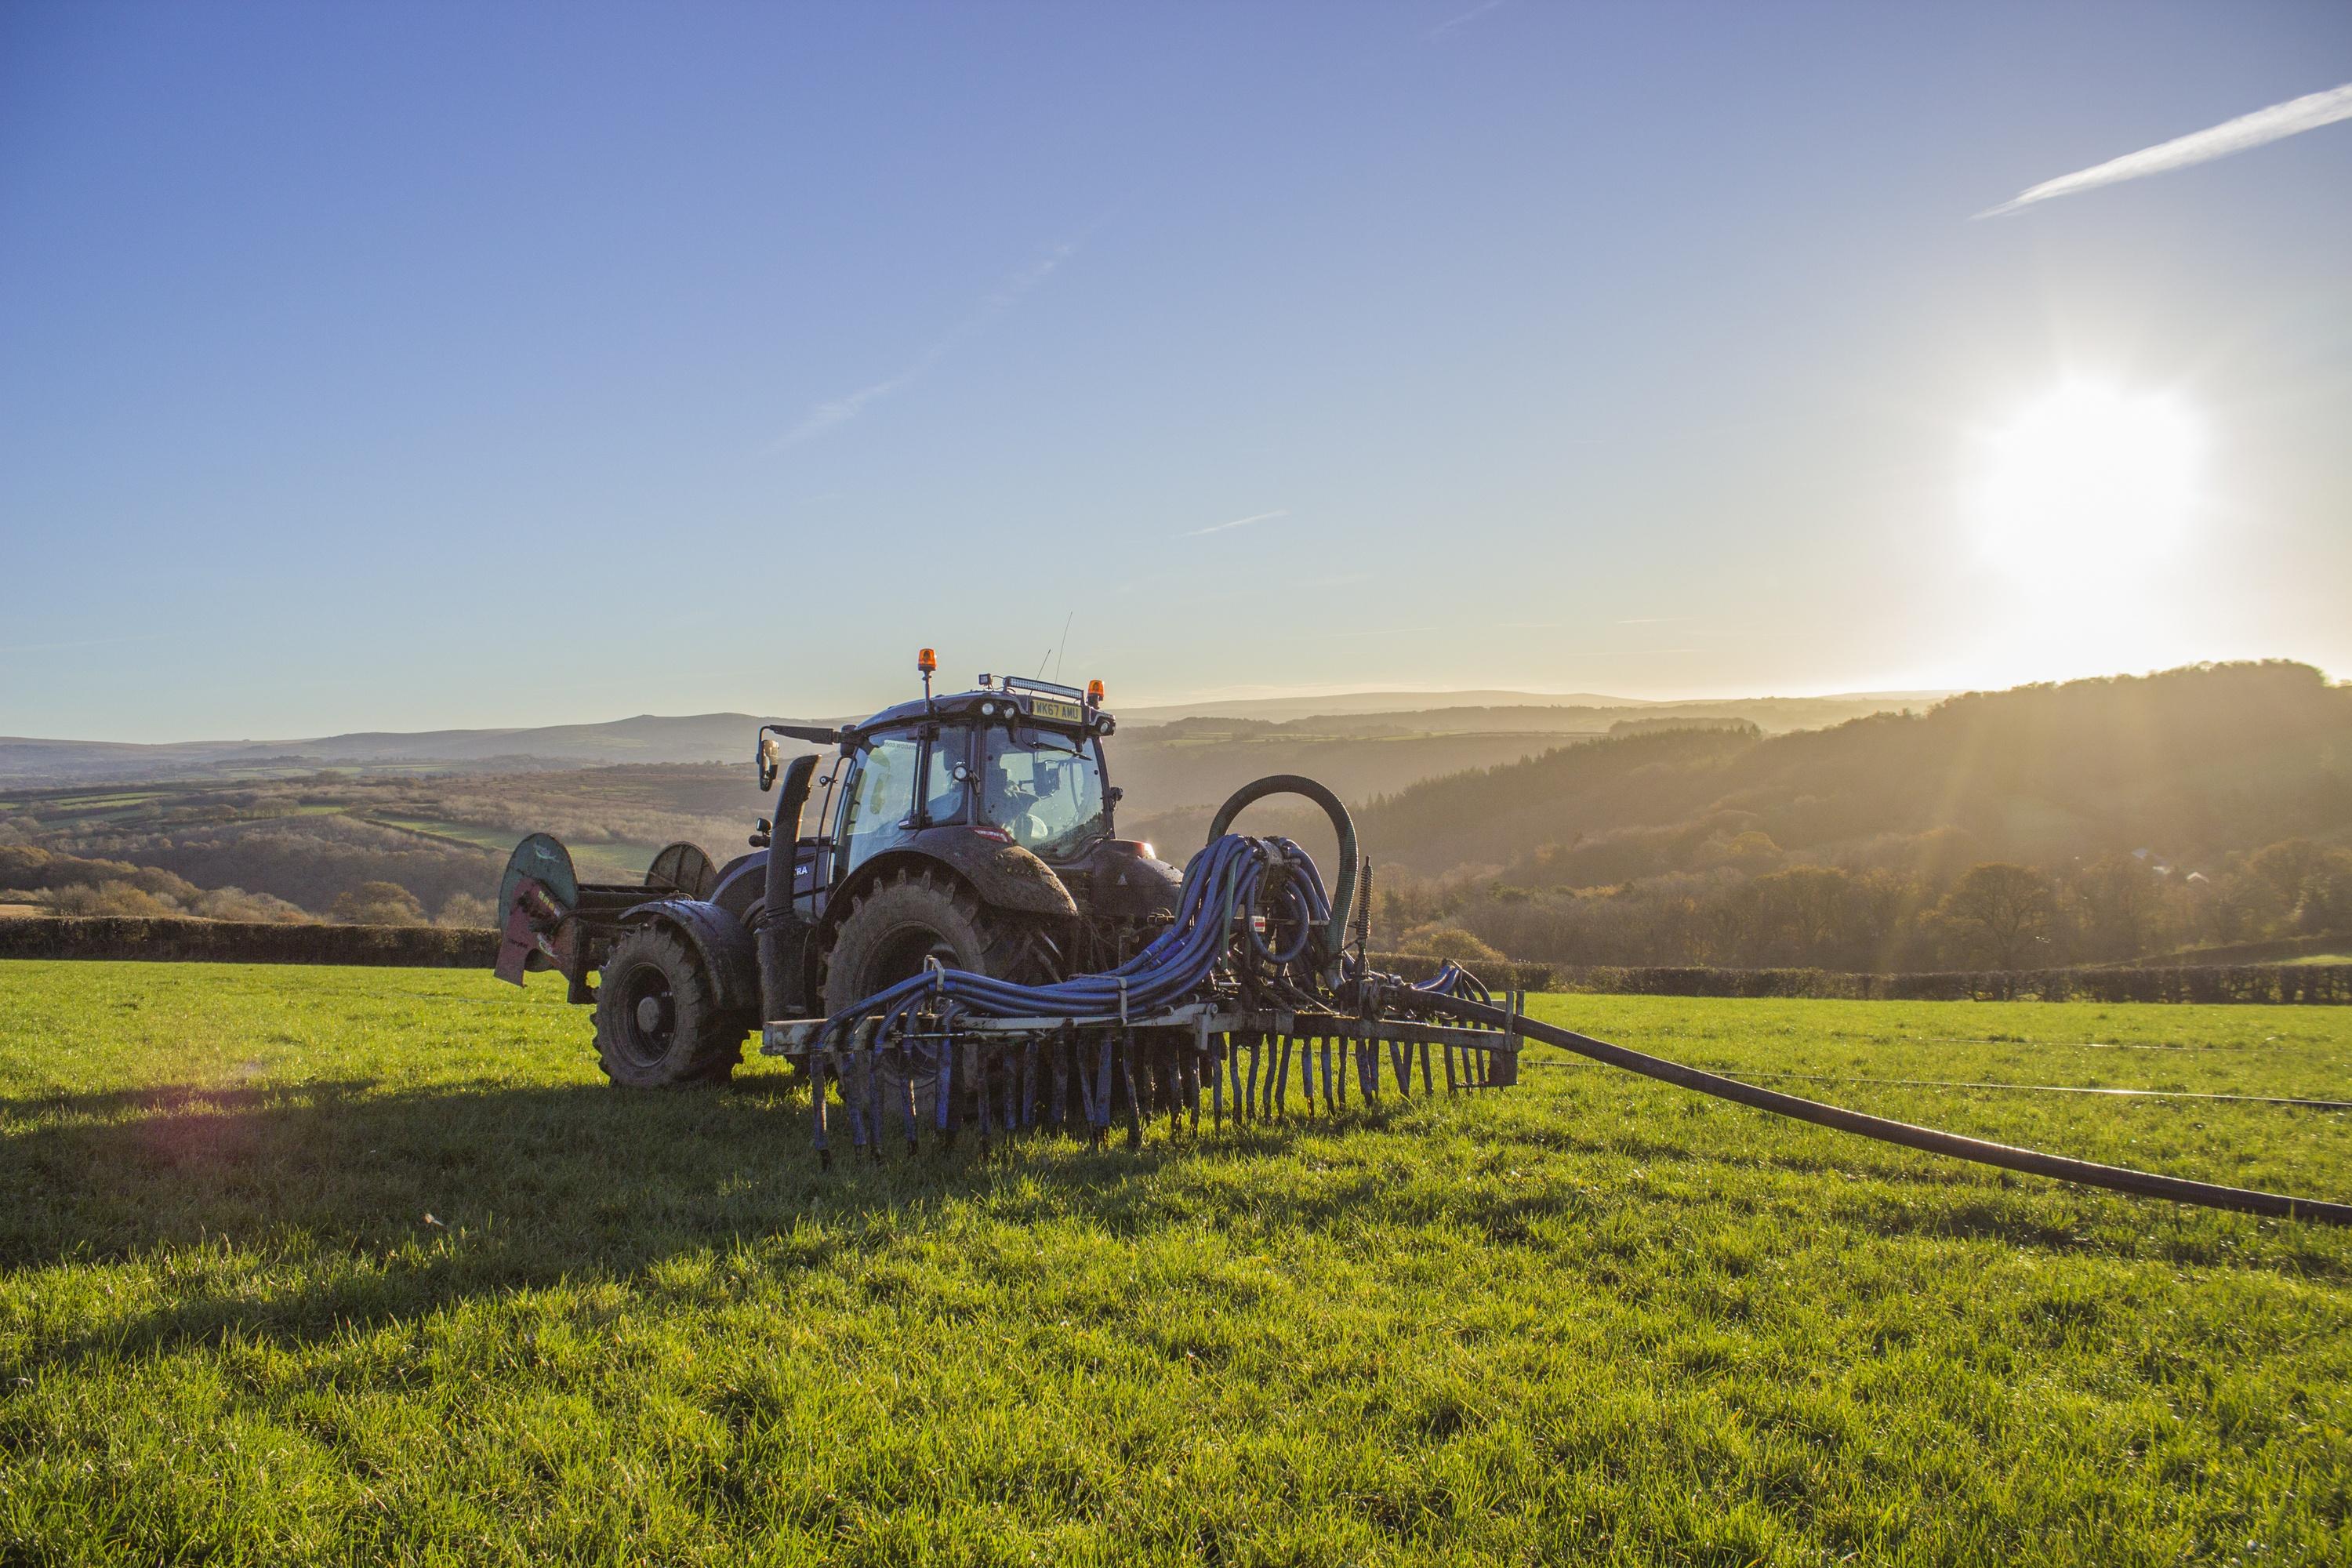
pixel 2089 477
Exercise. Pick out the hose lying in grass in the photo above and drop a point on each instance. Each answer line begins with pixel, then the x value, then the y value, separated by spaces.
pixel 2300 1102
pixel 2088 1172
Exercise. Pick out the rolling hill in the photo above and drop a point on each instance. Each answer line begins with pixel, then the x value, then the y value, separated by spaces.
pixel 2201 761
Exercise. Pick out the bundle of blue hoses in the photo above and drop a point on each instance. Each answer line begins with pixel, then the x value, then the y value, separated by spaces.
pixel 1225 885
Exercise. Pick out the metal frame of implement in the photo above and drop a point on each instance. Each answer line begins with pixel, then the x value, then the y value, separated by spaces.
pixel 1019 1074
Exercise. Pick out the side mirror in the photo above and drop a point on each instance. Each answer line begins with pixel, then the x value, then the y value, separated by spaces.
pixel 1114 794
pixel 767 759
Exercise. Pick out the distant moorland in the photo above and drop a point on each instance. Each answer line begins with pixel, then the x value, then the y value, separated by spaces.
pixel 648 738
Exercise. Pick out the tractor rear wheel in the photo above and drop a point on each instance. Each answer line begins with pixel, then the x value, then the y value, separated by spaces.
pixel 905 919
pixel 658 1022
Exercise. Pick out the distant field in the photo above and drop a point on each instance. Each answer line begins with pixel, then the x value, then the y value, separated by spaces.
pixel 497 840
pixel 609 862
pixel 1592 1318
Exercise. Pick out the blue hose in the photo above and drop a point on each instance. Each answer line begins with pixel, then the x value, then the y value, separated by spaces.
pixel 1222 883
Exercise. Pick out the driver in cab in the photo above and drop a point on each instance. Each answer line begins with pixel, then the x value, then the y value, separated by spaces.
pixel 1015 791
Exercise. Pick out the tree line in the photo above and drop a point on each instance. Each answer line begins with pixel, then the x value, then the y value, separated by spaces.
pixel 1990 915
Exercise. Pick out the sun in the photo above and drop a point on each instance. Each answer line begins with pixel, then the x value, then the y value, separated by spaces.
pixel 2089 478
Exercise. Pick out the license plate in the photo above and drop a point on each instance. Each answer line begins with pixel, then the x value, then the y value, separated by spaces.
pixel 1065 712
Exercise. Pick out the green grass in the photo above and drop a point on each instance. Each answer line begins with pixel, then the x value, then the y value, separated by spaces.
pixel 1591 1317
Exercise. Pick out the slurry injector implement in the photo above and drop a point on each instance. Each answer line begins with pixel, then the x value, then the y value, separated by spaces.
pixel 964 943
pixel 1252 977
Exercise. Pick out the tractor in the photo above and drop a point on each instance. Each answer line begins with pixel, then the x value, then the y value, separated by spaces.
pixel 972 831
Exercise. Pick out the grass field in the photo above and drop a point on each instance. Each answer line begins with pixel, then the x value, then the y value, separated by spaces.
pixel 367 1266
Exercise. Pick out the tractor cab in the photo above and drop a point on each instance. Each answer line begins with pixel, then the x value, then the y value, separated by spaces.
pixel 1020 764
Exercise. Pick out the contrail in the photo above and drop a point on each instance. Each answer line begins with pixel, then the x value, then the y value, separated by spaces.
pixel 841 410
pixel 1464 20
pixel 1238 522
pixel 2308 112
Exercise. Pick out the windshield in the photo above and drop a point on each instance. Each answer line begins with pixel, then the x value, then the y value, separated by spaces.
pixel 1043 789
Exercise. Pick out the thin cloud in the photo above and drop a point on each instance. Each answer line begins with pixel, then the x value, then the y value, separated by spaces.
pixel 841 410
pixel 1464 20
pixel 1239 522
pixel 2308 112
pixel 837 410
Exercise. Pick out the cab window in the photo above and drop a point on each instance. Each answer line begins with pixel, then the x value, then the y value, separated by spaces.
pixel 1043 788
pixel 880 800
pixel 943 793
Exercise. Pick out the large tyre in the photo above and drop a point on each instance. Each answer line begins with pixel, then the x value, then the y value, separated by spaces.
pixel 908 918
pixel 658 1022
pixel 910 915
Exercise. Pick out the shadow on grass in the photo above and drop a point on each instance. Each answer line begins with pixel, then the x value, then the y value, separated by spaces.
pixel 529 1187
pixel 618 1178
pixel 456 1191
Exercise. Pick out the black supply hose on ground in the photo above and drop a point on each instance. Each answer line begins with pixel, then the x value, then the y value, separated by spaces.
pixel 2088 1172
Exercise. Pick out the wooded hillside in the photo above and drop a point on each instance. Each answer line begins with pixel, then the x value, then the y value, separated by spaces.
pixel 2188 762
pixel 2094 821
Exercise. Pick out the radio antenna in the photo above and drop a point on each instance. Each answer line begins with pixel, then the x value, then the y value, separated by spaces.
pixel 1064 651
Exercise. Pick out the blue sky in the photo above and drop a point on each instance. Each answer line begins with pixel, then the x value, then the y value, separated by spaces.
pixel 401 367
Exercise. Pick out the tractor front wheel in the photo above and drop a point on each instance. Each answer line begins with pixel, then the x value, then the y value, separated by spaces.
pixel 911 917
pixel 657 1023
